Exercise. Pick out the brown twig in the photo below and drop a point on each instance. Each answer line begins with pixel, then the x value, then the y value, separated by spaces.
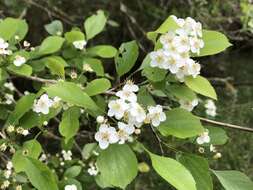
pixel 227 125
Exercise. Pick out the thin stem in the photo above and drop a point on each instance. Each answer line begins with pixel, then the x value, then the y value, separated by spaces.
pixel 227 125
pixel 159 140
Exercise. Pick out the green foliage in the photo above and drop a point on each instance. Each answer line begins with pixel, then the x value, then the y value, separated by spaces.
pixel 126 57
pixel 117 166
pixel 54 28
pixel 173 172
pixel 10 27
pixel 198 166
pixel 72 94
pixel 180 123
pixel 202 86
pixel 234 180
pixel 104 51
pixel 215 42
pixel 51 45
pixel 97 86
pixel 95 24
pixel 70 123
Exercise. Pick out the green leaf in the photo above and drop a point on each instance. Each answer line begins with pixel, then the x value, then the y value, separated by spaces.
pixel 234 180
pixel 202 86
pixel 73 172
pixel 74 35
pixel 181 92
pixel 39 175
pixel 217 135
pixel 104 51
pixel 95 24
pixel 95 64
pixel 145 98
pixel 97 86
pixel 55 64
pixel 117 165
pixel 3 75
pixel 154 74
pixel 73 94
pixel 126 57
pixel 88 150
pixel 180 123
pixel 51 45
pixel 173 172
pixel 25 69
pixel 167 25
pixel 11 27
pixel 69 125
pixel 33 148
pixel 199 168
pixel 215 42
pixel 54 28
pixel 24 104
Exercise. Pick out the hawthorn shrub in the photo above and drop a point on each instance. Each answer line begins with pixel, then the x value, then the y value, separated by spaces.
pixel 95 121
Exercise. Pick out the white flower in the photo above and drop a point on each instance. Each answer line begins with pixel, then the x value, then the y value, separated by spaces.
pixel 70 187
pixel 43 157
pixel 181 43
pixel 3 47
pixel 193 68
pixel 196 44
pixel 175 61
pixel 166 39
pixel 217 155
pixel 137 112
pixel 9 165
pixel 56 101
pixel 3 44
pixel 188 105
pixel 5 184
pixel 87 67
pixel 210 108
pixel 3 147
pixel 158 59
pixel 130 86
pixel 127 95
pixel 43 104
pixel 67 155
pixel 10 128
pixel 25 132
pixel 9 85
pixel 156 115
pixel 117 108
pixel 7 174
pixel 80 44
pixel 124 132
pixel 179 21
pixel 92 170
pixel 203 138
pixel 106 135
pixel 9 98
pixel 26 44
pixel 100 119
pixel 212 148
pixel 19 60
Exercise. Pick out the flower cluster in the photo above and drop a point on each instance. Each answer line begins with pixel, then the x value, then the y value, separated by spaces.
pixel 210 108
pixel 177 47
pixel 92 170
pixel 4 47
pixel 44 103
pixel 130 115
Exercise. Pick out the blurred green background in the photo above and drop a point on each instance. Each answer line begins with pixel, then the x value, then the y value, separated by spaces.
pixel 231 72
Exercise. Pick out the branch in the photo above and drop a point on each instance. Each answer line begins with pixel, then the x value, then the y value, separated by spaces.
pixel 38 79
pixel 227 125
